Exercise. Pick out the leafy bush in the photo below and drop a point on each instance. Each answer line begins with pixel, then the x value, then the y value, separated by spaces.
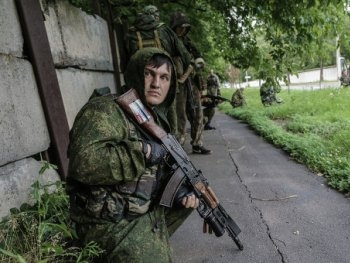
pixel 43 232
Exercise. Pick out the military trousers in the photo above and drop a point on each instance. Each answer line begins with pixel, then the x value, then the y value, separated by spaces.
pixel 141 240
pixel 208 114
pixel 189 107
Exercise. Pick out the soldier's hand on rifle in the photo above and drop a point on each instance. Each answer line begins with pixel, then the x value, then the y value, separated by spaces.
pixel 154 152
pixel 190 201
pixel 185 197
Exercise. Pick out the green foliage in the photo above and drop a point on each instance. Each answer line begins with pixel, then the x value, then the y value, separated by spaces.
pixel 312 126
pixel 84 5
pixel 43 232
pixel 270 38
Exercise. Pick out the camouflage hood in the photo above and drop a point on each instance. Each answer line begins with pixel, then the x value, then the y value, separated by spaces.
pixel 180 19
pixel 148 19
pixel 134 76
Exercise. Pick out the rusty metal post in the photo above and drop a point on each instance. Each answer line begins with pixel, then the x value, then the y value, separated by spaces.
pixel 96 6
pixel 109 18
pixel 37 44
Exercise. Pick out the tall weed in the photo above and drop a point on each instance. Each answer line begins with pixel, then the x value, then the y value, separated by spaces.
pixel 43 232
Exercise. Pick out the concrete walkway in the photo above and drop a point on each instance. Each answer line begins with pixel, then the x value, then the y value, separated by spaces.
pixel 286 213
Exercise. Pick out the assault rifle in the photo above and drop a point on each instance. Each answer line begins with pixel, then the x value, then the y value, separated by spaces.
pixel 213 97
pixel 209 208
pixel 214 101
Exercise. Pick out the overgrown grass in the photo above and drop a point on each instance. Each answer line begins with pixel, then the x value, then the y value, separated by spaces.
pixel 312 126
pixel 43 232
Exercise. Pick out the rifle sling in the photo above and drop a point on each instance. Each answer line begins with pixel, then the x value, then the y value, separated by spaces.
pixel 175 180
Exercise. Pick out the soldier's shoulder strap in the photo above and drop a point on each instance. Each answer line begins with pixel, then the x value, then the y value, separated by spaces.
pixel 154 41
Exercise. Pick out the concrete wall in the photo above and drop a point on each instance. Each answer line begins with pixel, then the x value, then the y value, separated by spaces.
pixel 81 52
pixel 329 74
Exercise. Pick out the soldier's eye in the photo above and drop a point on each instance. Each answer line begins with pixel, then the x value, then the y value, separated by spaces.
pixel 165 78
pixel 147 73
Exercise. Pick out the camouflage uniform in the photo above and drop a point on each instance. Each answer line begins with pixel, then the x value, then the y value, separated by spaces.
pixel 114 195
pixel 148 26
pixel 237 99
pixel 268 92
pixel 213 88
pixel 148 31
pixel 188 106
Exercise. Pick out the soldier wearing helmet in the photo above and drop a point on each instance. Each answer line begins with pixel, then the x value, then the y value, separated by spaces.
pixel 188 99
pixel 152 11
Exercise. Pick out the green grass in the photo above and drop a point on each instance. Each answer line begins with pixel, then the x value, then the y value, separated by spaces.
pixel 313 127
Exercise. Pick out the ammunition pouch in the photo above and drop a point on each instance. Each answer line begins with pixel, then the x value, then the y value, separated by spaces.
pixel 128 200
pixel 96 205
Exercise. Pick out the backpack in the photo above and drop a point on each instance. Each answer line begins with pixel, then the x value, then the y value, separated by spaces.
pixel 144 34
pixel 153 41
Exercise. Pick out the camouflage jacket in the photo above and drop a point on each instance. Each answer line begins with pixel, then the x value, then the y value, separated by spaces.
pixel 108 179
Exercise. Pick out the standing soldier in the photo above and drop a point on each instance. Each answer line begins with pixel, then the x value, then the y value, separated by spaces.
pixel 213 84
pixel 188 99
pixel 213 89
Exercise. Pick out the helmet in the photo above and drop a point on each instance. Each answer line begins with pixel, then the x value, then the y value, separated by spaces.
pixel 179 19
pixel 199 63
pixel 151 10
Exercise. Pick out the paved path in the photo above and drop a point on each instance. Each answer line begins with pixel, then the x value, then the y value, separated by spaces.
pixel 287 214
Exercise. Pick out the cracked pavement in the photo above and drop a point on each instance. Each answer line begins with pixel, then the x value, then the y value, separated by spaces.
pixel 286 213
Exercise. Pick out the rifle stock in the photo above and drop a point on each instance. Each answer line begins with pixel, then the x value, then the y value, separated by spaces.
pixel 209 208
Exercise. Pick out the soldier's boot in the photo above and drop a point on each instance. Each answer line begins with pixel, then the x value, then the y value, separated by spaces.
pixel 208 127
pixel 200 149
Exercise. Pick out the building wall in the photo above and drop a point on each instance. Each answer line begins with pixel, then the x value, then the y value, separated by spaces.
pixel 309 79
pixel 329 74
pixel 82 56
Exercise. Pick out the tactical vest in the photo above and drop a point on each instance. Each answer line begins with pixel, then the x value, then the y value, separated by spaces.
pixel 143 42
pixel 126 200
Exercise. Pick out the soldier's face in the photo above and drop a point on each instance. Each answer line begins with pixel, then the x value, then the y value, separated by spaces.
pixel 180 31
pixel 157 83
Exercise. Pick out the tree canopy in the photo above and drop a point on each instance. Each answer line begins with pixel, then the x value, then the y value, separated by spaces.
pixel 270 38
